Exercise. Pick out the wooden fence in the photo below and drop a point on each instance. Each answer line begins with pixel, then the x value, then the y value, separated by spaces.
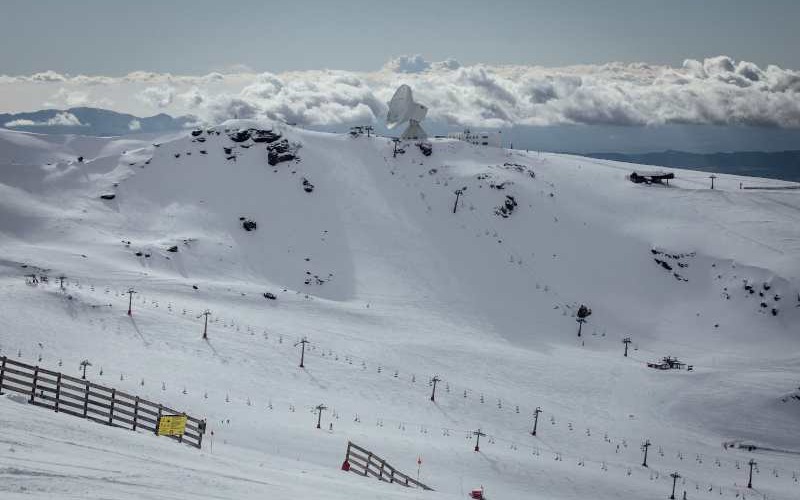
pixel 81 398
pixel 364 462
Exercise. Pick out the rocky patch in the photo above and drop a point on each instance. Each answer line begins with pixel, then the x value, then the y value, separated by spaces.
pixel 669 261
pixel 248 224
pixel 507 208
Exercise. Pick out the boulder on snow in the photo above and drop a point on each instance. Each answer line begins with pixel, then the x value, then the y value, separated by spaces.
pixel 426 148
pixel 195 133
pixel 173 249
pixel 249 225
pixel 108 196
pixel 280 151
pixel 274 158
pixel 270 296
pixel 507 208
pixel 281 146
pixel 240 135
pixel 267 136
pixel 307 186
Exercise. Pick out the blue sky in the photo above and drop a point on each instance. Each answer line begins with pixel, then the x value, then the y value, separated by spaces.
pixel 574 75
pixel 114 37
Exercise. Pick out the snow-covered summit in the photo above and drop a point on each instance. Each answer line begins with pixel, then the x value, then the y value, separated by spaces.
pixel 395 277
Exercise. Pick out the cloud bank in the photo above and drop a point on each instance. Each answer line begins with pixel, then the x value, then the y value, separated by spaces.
pixel 60 119
pixel 718 90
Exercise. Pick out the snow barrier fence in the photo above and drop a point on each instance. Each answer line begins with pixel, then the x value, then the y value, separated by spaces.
pixel 85 399
pixel 365 463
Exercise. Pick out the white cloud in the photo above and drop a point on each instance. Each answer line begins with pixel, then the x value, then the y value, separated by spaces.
pixel 717 90
pixel 159 97
pixel 65 98
pixel 20 123
pixel 408 64
pixel 418 64
pixel 63 119
pixel 48 76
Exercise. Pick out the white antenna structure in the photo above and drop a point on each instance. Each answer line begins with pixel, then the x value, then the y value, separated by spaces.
pixel 402 108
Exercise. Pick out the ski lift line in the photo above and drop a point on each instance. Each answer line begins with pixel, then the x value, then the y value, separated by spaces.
pixel 420 424
pixel 390 369
pixel 424 424
pixel 492 437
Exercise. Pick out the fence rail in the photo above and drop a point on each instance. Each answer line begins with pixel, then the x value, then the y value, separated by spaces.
pixel 365 463
pixel 85 399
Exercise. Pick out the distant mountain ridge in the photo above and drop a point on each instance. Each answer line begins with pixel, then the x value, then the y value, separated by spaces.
pixel 784 165
pixel 92 122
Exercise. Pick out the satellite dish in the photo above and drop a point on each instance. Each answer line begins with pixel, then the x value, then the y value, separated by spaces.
pixel 402 108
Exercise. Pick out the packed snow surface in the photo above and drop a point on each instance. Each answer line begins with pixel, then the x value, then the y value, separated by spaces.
pixel 393 279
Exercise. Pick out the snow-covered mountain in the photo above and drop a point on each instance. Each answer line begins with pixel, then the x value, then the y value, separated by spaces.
pixel 92 122
pixel 394 278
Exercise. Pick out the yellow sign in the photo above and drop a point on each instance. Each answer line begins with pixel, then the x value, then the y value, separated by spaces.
pixel 171 425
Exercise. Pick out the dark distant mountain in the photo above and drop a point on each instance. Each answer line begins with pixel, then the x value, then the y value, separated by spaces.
pixel 783 165
pixel 91 121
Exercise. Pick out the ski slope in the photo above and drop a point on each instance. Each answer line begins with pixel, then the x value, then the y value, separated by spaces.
pixel 391 288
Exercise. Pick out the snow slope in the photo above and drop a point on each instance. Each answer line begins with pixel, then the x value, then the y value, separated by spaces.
pixel 392 287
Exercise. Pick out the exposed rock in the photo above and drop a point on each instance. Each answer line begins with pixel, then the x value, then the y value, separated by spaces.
pixel 307 186
pixel 195 133
pixel 249 225
pixel 270 296
pixel 274 158
pixel 584 312
pixel 240 135
pixel 281 146
pixel 267 136
pixel 507 208
pixel 173 249
pixel 108 196
pixel 426 148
